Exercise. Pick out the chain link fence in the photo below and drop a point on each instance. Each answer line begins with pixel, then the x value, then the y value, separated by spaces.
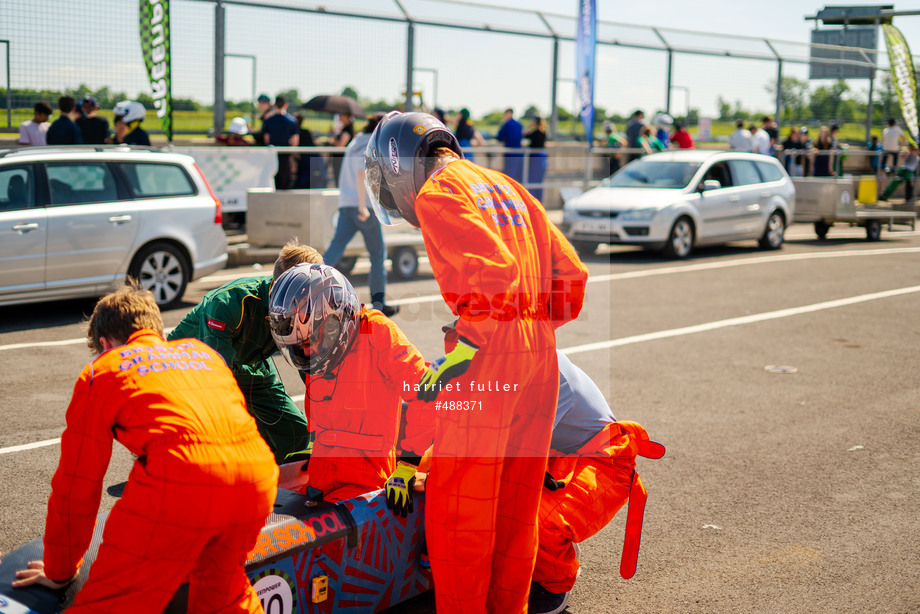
pixel 424 53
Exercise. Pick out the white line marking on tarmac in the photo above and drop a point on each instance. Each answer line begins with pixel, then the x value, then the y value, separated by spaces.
pixel 669 270
pixel 664 334
pixel 751 319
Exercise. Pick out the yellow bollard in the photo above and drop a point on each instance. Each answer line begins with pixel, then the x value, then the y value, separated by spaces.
pixel 868 190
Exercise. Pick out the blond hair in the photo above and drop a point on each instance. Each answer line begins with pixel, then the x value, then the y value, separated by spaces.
pixel 121 313
pixel 292 254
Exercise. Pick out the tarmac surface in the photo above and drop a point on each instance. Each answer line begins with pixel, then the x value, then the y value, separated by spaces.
pixel 789 489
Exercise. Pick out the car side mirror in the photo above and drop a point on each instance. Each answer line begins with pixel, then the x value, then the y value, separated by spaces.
pixel 710 184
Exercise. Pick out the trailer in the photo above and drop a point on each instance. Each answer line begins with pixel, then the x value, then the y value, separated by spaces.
pixel 825 201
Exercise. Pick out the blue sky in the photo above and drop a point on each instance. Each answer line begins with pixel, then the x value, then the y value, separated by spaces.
pixel 54 45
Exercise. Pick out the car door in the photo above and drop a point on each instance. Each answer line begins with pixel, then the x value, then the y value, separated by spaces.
pixel 717 208
pixel 753 199
pixel 91 225
pixel 23 232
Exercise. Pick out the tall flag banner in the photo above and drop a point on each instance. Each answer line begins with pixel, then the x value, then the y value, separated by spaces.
pixel 585 43
pixel 905 82
pixel 154 22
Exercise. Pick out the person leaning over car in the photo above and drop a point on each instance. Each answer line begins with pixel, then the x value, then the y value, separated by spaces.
pixel 200 489
pixel 233 320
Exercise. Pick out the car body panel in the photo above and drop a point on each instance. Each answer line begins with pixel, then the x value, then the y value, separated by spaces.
pixel 89 233
pixel 645 215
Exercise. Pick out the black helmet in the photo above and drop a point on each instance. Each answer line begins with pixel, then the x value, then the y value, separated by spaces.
pixel 395 162
pixel 313 312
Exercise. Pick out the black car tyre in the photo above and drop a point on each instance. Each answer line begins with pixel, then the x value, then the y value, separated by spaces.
pixel 164 270
pixel 405 262
pixel 821 229
pixel 873 230
pixel 680 239
pixel 775 231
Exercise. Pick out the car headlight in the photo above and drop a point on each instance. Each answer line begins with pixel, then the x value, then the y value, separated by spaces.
pixel 638 215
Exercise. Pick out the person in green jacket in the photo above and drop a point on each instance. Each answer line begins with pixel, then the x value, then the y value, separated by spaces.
pixel 233 319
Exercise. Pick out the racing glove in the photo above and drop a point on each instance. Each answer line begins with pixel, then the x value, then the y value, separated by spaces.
pixel 441 371
pixel 399 489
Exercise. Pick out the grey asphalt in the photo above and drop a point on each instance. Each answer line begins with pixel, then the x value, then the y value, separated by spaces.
pixel 780 492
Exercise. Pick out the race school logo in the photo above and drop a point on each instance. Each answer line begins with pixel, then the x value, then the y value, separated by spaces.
pixel 394 155
pixel 276 591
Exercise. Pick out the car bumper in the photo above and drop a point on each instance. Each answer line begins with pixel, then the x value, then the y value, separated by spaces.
pixel 612 231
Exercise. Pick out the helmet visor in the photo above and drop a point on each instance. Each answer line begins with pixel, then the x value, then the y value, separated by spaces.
pixel 381 199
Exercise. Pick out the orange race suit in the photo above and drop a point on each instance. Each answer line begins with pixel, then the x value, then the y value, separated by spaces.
pixel 355 414
pixel 200 490
pixel 512 278
pixel 590 475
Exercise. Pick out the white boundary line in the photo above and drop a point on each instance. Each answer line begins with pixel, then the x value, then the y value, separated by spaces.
pixel 664 334
pixel 668 270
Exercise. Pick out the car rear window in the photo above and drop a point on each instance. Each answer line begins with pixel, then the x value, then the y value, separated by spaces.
pixel 769 172
pixel 17 188
pixel 75 183
pixel 150 180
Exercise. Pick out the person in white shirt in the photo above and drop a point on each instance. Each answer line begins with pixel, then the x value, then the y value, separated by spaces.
pixel 892 140
pixel 761 139
pixel 740 139
pixel 33 131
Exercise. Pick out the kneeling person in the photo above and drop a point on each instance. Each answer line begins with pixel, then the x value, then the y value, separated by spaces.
pixel 591 474
pixel 358 366
pixel 201 488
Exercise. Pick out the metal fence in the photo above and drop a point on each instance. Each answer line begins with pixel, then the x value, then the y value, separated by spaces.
pixel 454 53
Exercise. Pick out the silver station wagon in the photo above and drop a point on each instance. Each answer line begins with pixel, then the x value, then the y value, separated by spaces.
pixel 674 201
pixel 75 221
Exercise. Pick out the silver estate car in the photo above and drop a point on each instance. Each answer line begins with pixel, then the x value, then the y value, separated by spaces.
pixel 676 200
pixel 75 221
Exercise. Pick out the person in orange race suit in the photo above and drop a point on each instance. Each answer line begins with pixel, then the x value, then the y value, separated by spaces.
pixel 200 490
pixel 358 367
pixel 512 279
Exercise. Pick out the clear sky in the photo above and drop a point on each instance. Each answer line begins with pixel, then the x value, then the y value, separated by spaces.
pixel 54 45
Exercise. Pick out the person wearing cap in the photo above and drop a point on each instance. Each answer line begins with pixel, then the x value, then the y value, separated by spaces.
pixel 265 111
pixel 95 129
pixel 236 134
pixel 466 133
pixel 33 131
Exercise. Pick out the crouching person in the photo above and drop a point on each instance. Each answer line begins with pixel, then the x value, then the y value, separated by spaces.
pixel 200 490
pixel 358 367
pixel 591 474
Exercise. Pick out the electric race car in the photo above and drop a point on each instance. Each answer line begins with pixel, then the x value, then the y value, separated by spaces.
pixel 311 557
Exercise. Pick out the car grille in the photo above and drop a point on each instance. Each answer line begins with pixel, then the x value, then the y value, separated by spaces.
pixel 595 213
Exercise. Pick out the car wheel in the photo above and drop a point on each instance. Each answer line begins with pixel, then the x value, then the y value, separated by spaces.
pixel 873 230
pixel 775 231
pixel 821 229
pixel 585 248
pixel 405 262
pixel 162 269
pixel 347 264
pixel 680 240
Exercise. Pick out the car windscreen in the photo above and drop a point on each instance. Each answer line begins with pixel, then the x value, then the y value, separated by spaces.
pixel 653 174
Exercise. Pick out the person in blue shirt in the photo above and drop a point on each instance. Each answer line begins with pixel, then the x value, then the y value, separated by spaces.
pixel 875 160
pixel 281 130
pixel 511 134
pixel 64 131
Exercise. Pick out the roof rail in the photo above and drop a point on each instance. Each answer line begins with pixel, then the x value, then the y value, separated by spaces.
pixel 76 148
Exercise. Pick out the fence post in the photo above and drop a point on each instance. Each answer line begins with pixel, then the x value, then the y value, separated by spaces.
pixel 219 31
pixel 870 109
pixel 554 109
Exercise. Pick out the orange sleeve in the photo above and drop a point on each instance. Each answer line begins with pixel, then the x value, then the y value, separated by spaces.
pixel 76 488
pixel 403 366
pixel 569 278
pixel 471 263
